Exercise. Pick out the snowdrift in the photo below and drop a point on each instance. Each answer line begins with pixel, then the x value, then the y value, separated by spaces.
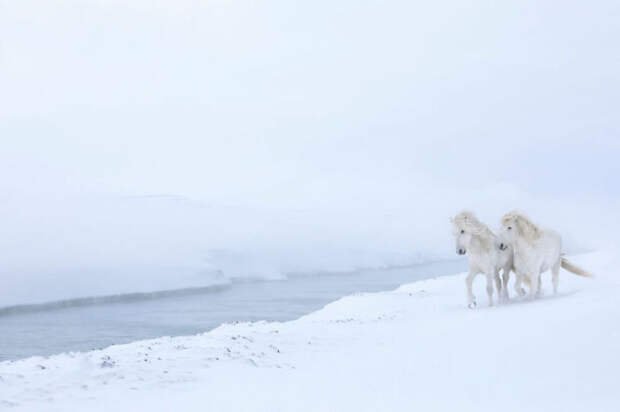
pixel 415 348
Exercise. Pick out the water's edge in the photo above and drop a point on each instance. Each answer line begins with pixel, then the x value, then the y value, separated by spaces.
pixel 186 291
pixel 107 299
pixel 92 323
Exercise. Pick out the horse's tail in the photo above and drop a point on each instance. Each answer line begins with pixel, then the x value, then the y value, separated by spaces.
pixel 575 269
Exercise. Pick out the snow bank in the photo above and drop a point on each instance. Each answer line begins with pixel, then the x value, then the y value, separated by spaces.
pixel 416 348
pixel 103 246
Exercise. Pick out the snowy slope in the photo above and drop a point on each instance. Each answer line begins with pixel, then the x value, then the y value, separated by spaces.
pixel 415 348
pixel 109 246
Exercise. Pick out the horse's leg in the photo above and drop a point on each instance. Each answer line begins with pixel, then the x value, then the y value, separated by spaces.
pixel 533 286
pixel 505 279
pixel 471 300
pixel 498 285
pixel 518 282
pixel 555 273
pixel 540 292
pixel 490 277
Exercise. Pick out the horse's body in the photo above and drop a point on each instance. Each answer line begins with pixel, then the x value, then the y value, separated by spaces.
pixel 535 251
pixel 484 253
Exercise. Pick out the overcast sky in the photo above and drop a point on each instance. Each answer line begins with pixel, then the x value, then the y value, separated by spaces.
pixel 240 99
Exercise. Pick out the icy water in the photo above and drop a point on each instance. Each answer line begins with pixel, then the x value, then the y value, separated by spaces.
pixel 91 326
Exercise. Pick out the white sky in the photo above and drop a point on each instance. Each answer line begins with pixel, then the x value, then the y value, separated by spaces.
pixel 260 100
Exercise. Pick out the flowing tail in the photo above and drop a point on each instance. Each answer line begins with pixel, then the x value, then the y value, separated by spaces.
pixel 575 269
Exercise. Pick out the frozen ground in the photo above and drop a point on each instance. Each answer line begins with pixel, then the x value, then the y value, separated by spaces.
pixel 415 348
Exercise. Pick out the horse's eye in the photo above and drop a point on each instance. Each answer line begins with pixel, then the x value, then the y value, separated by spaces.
pixel 509 227
pixel 462 231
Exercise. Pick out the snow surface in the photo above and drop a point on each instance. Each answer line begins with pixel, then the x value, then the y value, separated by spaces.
pixel 415 348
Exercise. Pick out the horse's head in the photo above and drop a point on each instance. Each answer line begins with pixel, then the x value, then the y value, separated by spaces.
pixel 517 224
pixel 462 238
pixel 503 242
pixel 462 230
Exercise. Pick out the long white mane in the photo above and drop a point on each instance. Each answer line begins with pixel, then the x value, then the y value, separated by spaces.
pixel 468 221
pixel 523 225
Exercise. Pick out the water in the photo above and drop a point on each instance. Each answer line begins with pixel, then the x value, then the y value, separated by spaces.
pixel 91 326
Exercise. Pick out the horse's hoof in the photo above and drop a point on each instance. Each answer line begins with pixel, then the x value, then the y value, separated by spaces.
pixel 472 305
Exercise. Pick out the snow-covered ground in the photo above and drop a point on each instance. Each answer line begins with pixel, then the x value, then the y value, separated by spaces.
pixel 415 348
pixel 156 146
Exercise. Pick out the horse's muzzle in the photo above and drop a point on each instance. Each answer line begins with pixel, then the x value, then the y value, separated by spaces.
pixel 461 251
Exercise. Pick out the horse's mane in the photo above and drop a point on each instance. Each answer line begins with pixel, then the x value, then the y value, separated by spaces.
pixel 468 221
pixel 524 226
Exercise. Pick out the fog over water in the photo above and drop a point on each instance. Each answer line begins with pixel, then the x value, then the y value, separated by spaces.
pixel 151 145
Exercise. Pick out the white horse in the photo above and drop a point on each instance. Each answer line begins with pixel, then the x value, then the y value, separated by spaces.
pixel 485 252
pixel 536 250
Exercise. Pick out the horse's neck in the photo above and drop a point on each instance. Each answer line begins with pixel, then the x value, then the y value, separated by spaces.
pixel 527 244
